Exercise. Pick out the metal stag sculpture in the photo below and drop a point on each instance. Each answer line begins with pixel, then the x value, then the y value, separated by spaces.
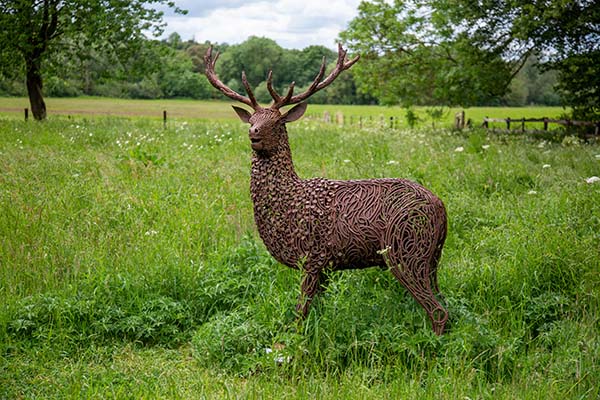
pixel 318 225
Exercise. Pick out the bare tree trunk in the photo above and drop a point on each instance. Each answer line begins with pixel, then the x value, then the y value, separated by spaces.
pixel 34 90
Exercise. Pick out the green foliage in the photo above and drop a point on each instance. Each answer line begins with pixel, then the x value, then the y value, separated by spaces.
pixel 129 266
pixel 562 34
pixel 579 85
pixel 58 87
pixel 411 117
pixel 406 61
pixel 34 31
pixel 256 56
pixel 466 53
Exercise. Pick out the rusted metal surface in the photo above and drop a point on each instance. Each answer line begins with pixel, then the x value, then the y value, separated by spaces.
pixel 318 225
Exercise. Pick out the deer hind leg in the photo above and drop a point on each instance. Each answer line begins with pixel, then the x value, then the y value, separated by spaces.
pixel 433 269
pixel 418 276
pixel 313 282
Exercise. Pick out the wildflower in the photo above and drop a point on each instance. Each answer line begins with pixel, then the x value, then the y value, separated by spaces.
pixel 392 162
pixel 485 146
pixel 346 161
pixel 592 179
pixel 459 149
pixel 151 232
pixel 532 192
pixel 546 166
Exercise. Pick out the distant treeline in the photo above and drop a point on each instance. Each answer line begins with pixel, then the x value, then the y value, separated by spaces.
pixel 173 68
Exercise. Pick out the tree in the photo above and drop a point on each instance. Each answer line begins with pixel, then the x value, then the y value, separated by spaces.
pixel 557 29
pixel 563 34
pixel 256 56
pixel 34 29
pixel 437 49
pixel 408 60
pixel 579 84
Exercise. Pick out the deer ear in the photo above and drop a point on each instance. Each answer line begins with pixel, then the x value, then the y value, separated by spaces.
pixel 295 112
pixel 243 114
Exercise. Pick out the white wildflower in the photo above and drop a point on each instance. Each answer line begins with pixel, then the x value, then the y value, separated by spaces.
pixel 392 162
pixel 546 166
pixel 282 359
pixel 346 161
pixel 592 179
pixel 532 192
pixel 459 149
pixel 485 146
pixel 151 232
pixel 597 156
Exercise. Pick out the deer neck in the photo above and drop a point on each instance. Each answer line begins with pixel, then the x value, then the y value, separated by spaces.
pixel 273 172
pixel 275 186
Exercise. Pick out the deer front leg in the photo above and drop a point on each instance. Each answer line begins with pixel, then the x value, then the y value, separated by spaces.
pixel 312 283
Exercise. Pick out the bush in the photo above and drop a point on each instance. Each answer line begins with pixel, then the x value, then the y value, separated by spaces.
pixel 57 87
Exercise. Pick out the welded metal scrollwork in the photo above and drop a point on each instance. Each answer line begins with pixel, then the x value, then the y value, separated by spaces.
pixel 320 224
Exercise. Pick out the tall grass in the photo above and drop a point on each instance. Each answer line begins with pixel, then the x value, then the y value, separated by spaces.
pixel 130 267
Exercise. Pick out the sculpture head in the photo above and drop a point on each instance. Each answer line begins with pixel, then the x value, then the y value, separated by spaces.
pixel 267 124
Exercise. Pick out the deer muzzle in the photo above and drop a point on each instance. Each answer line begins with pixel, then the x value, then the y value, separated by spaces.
pixel 255 139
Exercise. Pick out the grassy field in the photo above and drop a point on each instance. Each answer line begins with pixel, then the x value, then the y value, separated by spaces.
pixel 130 266
pixel 12 107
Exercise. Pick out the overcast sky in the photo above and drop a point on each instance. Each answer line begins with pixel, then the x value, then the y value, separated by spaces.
pixel 293 24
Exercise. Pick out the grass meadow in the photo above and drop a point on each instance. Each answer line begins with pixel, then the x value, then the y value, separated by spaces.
pixel 13 107
pixel 130 266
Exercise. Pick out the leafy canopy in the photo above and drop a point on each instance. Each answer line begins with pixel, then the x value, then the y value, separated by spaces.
pixel 467 52
pixel 411 57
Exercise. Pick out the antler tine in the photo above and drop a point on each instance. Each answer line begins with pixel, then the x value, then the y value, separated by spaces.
pixel 249 91
pixel 278 101
pixel 209 63
pixel 341 65
pixel 274 94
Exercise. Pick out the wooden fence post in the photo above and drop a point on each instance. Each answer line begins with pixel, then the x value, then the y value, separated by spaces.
pixel 26 113
pixel 459 120
pixel 508 124
pixel 165 119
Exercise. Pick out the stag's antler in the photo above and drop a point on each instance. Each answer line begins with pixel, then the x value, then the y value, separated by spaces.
pixel 278 100
pixel 316 85
pixel 210 62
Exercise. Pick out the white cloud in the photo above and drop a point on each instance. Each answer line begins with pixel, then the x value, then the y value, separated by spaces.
pixel 291 23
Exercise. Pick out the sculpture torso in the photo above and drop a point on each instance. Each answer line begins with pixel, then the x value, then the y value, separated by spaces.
pixel 337 224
